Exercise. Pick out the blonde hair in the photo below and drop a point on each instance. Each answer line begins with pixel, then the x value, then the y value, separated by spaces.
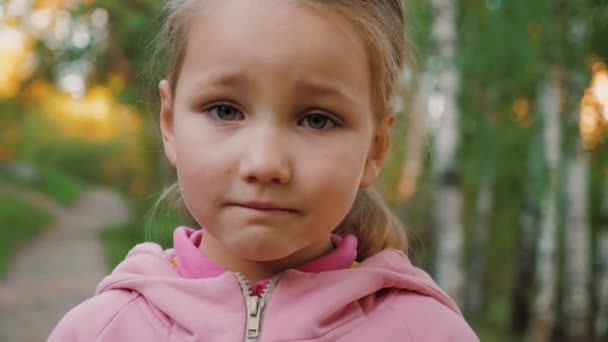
pixel 380 25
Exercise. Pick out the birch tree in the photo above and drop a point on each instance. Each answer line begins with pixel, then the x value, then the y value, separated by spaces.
pixel 416 139
pixel 576 303
pixel 599 32
pixel 526 238
pixel 577 233
pixel 546 262
pixel 483 209
pixel 601 295
pixel 443 107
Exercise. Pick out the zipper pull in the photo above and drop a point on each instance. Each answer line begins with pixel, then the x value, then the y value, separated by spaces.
pixel 254 311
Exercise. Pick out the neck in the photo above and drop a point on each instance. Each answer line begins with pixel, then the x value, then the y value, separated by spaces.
pixel 255 270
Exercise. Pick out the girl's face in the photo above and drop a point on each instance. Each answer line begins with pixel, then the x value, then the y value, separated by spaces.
pixel 271 127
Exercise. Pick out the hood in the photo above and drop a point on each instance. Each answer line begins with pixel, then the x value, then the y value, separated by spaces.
pixel 318 300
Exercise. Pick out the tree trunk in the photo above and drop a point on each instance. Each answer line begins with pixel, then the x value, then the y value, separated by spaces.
pixel 546 268
pixel 416 139
pixel 601 320
pixel 526 238
pixel 443 107
pixel 577 301
pixel 483 212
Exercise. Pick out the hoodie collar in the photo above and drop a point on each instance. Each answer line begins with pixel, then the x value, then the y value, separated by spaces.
pixel 193 264
pixel 147 271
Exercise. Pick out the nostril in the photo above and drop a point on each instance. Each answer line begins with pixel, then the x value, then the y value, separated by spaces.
pixel 265 162
pixel 268 174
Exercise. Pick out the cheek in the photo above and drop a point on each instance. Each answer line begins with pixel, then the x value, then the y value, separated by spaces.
pixel 195 188
pixel 345 159
pixel 201 172
pixel 198 155
pixel 333 175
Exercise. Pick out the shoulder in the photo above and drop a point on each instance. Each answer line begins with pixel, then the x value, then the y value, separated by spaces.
pixel 93 319
pixel 97 312
pixel 426 319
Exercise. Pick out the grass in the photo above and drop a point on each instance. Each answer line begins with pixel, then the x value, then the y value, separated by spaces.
pixel 60 185
pixel 57 184
pixel 19 223
pixel 117 241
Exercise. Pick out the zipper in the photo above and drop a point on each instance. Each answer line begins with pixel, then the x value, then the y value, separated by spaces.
pixel 255 305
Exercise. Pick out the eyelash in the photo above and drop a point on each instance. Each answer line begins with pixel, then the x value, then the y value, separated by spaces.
pixel 334 123
pixel 209 110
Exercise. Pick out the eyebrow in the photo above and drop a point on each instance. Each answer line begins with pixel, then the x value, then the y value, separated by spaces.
pixel 321 89
pixel 224 79
pixel 309 87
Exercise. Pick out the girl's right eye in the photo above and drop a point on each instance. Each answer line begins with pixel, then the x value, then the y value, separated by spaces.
pixel 224 112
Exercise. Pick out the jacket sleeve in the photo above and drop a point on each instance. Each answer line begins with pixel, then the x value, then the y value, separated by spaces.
pixel 88 320
pixel 426 319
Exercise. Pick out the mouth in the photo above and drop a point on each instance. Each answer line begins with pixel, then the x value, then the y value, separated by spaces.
pixel 265 207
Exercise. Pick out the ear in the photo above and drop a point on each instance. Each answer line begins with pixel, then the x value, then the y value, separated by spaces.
pixel 166 120
pixel 379 149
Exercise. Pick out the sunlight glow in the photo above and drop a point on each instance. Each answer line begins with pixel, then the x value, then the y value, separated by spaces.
pixel 436 106
pixel 14 49
pixel 81 37
pixel 76 108
pixel 73 83
pixel 96 116
pixel 599 89
pixel 11 38
pixel 18 8
pixel 594 107
pixel 99 18
pixel 41 19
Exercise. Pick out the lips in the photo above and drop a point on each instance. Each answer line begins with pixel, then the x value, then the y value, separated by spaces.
pixel 266 207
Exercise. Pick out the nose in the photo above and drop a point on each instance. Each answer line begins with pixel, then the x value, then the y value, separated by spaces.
pixel 266 158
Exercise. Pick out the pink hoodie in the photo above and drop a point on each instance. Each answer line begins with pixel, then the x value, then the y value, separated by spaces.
pixel 148 298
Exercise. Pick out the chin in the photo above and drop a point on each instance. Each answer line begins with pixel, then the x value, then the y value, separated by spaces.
pixel 261 249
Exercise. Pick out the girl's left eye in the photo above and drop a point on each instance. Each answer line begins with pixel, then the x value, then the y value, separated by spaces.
pixel 319 121
pixel 225 112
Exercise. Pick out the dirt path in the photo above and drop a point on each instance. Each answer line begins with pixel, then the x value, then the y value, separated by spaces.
pixel 59 270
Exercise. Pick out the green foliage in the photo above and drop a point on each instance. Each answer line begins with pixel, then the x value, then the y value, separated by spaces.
pixel 391 173
pixel 20 222
pixel 60 185
pixel 52 181
pixel 493 325
pixel 599 27
pixel 117 241
pixel 160 226
pixel 66 162
pixel 148 226
pixel 160 218
pixel 418 15
pixel 91 161
pixel 134 27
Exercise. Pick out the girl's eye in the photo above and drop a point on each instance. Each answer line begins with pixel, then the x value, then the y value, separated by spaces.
pixel 225 112
pixel 318 121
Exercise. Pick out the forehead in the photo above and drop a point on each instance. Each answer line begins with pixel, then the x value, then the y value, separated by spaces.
pixel 276 38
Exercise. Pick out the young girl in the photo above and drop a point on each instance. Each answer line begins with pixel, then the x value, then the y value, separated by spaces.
pixel 276 117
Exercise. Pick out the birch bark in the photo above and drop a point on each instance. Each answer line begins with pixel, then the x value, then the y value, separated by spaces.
pixel 483 211
pixel 601 320
pixel 444 109
pixel 544 304
pixel 577 301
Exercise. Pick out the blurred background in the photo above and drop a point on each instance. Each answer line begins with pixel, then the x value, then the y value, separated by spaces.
pixel 499 165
